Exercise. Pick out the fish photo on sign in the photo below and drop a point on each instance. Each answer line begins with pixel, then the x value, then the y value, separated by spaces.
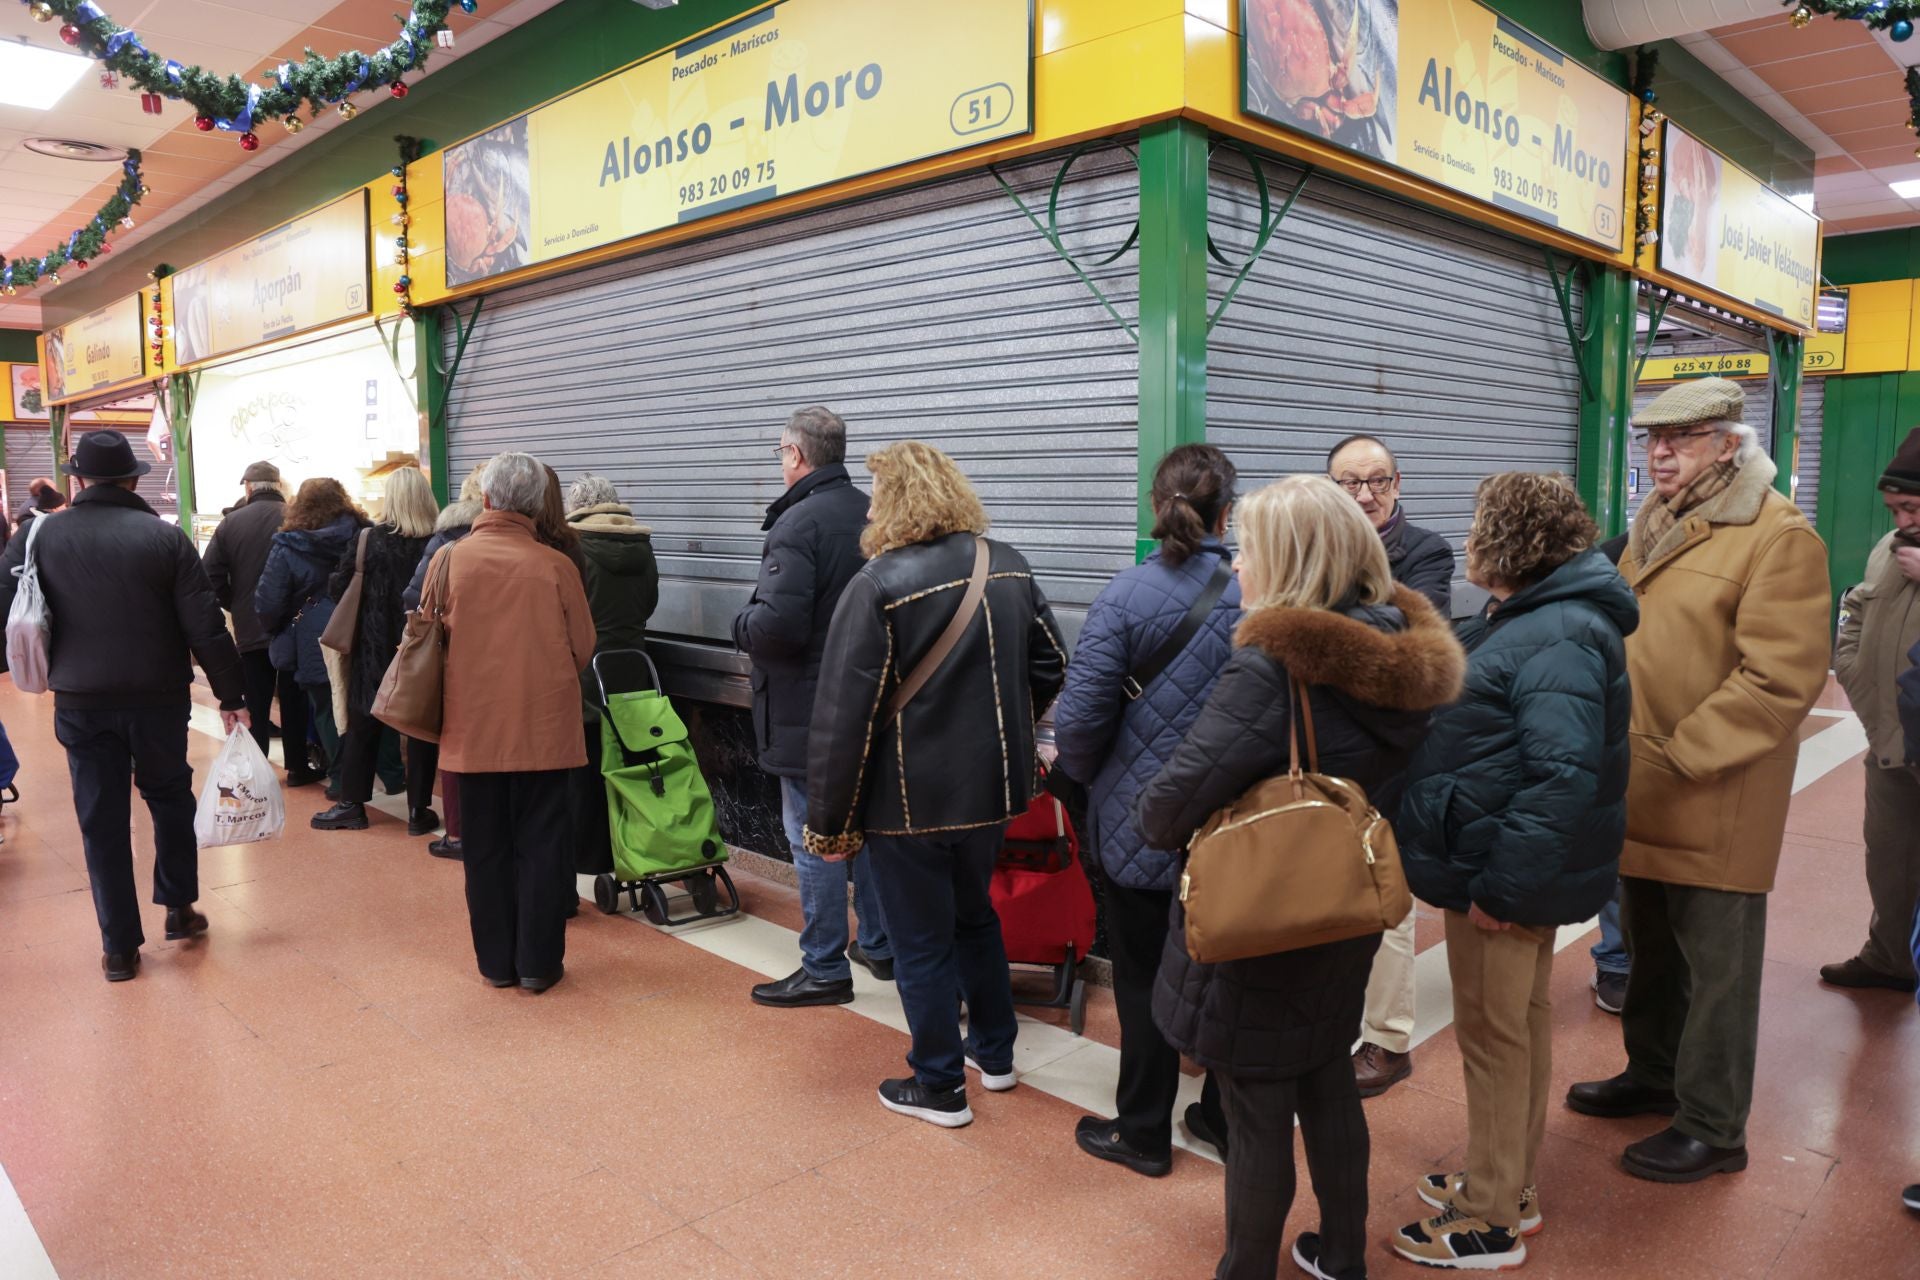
pixel 489 204
pixel 1327 67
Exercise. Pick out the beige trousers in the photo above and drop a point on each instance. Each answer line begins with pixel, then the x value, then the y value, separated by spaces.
pixel 1388 1021
pixel 1502 1012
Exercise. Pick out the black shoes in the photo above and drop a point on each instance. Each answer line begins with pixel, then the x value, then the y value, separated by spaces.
pixel 120 966
pixel 1306 1256
pixel 1858 974
pixel 881 969
pixel 183 922
pixel 948 1109
pixel 800 989
pixel 1196 1118
pixel 508 981
pixel 1671 1156
pixel 304 777
pixel 1101 1139
pixel 537 985
pixel 447 847
pixel 422 822
pixel 1911 1197
pixel 1609 991
pixel 345 816
pixel 1620 1097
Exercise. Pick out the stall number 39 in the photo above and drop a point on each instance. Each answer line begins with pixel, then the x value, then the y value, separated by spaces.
pixel 727 183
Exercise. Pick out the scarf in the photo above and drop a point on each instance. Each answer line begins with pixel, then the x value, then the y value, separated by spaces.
pixel 1660 517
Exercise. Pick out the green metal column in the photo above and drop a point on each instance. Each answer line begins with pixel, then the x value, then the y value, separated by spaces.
pixel 57 429
pixel 1787 350
pixel 180 420
pixel 431 397
pixel 1606 396
pixel 1173 299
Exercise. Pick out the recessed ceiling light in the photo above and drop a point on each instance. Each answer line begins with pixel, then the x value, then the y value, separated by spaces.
pixel 37 78
pixel 72 149
pixel 1908 190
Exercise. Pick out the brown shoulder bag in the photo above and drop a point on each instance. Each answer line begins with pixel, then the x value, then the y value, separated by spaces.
pixel 1297 861
pixel 346 614
pixel 412 693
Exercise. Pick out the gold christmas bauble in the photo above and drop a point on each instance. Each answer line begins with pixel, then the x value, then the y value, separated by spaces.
pixel 1801 17
pixel 348 111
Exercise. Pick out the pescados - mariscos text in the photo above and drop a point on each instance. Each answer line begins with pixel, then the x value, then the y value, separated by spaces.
pixel 786 103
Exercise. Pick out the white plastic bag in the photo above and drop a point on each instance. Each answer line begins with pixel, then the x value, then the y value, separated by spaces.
pixel 29 622
pixel 241 802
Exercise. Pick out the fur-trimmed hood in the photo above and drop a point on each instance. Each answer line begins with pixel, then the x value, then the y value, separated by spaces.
pixel 1417 668
pixel 459 515
pixel 608 517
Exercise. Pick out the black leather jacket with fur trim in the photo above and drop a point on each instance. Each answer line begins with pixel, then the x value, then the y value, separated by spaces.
pixel 960 755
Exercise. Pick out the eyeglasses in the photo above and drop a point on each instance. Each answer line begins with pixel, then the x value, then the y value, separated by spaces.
pixel 780 450
pixel 1675 439
pixel 1380 485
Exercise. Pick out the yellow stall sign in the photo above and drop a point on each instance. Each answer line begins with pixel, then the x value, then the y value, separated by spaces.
pixel 1723 228
pixel 299 276
pixel 1452 92
pixel 793 96
pixel 1737 364
pixel 103 348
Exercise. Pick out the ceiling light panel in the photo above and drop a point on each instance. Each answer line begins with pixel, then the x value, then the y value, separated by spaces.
pixel 37 78
pixel 1908 190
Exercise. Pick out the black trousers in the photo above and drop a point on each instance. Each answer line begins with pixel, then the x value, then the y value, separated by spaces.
pixel 587 799
pixel 108 751
pixel 1260 1178
pixel 519 871
pixel 368 747
pixel 263 681
pixel 1137 922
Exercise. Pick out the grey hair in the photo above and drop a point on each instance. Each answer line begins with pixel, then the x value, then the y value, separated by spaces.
pixel 515 482
pixel 1746 435
pixel 591 491
pixel 264 486
pixel 820 434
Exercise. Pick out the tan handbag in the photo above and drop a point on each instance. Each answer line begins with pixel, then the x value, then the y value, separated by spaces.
pixel 412 693
pixel 346 614
pixel 1297 861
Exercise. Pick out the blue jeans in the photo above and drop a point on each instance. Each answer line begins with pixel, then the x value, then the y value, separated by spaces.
pixel 1610 953
pixel 946 944
pixel 823 898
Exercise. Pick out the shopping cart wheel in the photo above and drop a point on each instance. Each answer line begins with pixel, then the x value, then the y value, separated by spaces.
pixel 705 893
pixel 653 904
pixel 606 894
pixel 1077 1008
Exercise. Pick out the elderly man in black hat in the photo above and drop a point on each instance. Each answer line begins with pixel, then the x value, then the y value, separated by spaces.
pixel 129 602
pixel 1879 627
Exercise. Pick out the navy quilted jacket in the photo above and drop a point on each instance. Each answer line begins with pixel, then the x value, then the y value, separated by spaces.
pixel 1517 800
pixel 1117 745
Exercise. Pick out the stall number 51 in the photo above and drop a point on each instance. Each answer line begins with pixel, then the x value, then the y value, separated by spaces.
pixel 978 110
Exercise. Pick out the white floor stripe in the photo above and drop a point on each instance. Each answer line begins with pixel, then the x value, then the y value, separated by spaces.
pixel 22 1256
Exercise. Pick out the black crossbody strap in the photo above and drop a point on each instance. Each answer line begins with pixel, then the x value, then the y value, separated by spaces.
pixel 1138 679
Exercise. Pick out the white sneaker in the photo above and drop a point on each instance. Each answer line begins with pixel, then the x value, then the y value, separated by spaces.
pixel 992 1082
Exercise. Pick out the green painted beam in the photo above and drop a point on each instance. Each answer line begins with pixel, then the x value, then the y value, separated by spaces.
pixel 430 390
pixel 180 395
pixel 1173 299
pixel 1787 350
pixel 1606 398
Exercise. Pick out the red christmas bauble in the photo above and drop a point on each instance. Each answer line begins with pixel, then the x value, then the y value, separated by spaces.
pixel 248 142
pixel 80 263
pixel 203 123
pixel 70 33
pixel 397 89
pixel 105 247
pixel 400 288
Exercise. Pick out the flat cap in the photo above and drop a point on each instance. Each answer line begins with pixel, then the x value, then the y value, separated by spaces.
pixel 260 473
pixel 1690 404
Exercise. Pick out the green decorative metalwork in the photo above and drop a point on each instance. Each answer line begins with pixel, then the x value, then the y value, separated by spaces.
pixel 1173 300
pixel 1050 229
pixel 1656 312
pixel 1787 350
pixel 446 373
pixel 1577 334
pixel 1269 223
pixel 182 390
pixel 1602 341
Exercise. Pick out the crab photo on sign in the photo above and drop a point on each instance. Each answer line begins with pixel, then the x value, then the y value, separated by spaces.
pixel 489 204
pixel 1327 67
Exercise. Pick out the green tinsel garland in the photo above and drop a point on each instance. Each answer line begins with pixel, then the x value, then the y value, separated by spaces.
pixel 232 104
pixel 1646 61
pixel 1897 16
pixel 1913 100
pixel 87 243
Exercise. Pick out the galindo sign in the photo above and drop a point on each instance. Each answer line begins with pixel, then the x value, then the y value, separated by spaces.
pixel 1723 228
pixel 310 272
pixel 103 348
pixel 793 96
pixel 1452 92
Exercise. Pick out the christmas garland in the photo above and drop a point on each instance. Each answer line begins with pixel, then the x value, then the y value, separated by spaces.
pixel 233 105
pixel 1913 102
pixel 1895 17
pixel 1646 60
pixel 410 150
pixel 88 242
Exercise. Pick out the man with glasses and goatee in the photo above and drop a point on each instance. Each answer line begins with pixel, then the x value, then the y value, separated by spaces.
pixel 1422 560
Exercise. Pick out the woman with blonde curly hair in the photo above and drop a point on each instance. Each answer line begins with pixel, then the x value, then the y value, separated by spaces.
pixel 941 656
pixel 1513 823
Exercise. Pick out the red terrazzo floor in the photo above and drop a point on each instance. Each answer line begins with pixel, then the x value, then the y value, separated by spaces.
pixel 323 1087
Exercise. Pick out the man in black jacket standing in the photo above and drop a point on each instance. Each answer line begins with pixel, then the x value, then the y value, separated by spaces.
pixel 235 557
pixel 1423 560
pixel 129 602
pixel 812 551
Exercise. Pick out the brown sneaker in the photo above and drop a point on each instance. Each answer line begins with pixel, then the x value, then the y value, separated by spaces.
pixel 1377 1070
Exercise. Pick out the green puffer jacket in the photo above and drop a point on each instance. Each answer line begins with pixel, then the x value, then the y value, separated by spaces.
pixel 622 581
pixel 1517 800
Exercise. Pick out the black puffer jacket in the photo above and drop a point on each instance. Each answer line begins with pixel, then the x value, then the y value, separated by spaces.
pixel 391 560
pixel 235 558
pixel 1421 559
pixel 961 754
pixel 623 585
pixel 812 551
pixel 455 523
pixel 1373 675
pixel 1518 799
pixel 129 603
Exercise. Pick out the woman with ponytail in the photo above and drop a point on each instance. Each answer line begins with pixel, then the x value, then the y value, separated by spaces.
pixel 1153 644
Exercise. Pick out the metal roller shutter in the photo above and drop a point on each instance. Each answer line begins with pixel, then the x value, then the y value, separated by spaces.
pixel 1813 407
pixel 29 455
pixel 938 314
pixel 1369 314
pixel 1759 417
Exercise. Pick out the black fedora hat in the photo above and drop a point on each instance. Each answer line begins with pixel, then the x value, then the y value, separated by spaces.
pixel 105 455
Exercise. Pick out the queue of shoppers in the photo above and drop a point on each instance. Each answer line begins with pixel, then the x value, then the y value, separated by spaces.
pixel 1528 760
